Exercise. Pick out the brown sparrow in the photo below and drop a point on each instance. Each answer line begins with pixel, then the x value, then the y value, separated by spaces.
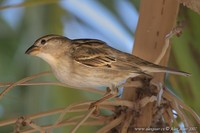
pixel 90 62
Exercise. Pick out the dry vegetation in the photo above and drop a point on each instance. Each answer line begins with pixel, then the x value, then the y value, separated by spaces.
pixel 146 102
pixel 168 110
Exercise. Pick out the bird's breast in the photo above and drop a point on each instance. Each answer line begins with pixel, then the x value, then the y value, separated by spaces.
pixel 78 75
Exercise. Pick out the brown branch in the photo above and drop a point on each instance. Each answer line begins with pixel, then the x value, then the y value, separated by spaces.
pixel 170 96
pixel 112 124
pixel 126 123
pixel 67 123
pixel 82 106
pixel 150 35
pixel 22 121
pixel 22 81
pixel 52 83
pixel 176 31
pixel 83 120
pixel 157 18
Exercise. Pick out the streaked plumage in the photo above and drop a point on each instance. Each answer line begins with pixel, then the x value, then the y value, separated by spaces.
pixel 91 62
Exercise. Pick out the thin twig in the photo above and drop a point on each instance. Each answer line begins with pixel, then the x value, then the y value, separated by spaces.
pixel 166 45
pixel 66 110
pixel 52 83
pixel 112 124
pixel 22 81
pixel 22 121
pixel 79 107
pixel 34 126
pixel 170 96
pixel 72 121
pixel 167 118
pixel 83 120
pixel 66 123
pixel 169 111
pixel 180 113
pixel 127 122
pixel 143 102
pixel 63 114
pixel 84 107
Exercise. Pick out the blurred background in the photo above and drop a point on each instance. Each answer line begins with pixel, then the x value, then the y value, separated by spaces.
pixel 114 21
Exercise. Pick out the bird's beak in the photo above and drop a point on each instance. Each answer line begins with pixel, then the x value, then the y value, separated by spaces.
pixel 33 50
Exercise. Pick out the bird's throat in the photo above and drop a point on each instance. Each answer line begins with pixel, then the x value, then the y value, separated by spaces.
pixel 48 58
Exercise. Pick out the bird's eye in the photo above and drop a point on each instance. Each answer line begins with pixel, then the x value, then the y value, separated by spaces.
pixel 43 41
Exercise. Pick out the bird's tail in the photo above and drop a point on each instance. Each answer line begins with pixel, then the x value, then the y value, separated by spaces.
pixel 178 72
pixel 157 68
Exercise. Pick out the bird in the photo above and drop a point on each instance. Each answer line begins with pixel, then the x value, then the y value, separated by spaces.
pixel 92 63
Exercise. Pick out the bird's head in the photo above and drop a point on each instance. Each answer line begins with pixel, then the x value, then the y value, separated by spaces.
pixel 49 47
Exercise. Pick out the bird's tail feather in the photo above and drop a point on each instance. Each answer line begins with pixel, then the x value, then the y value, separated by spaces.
pixel 157 68
pixel 178 72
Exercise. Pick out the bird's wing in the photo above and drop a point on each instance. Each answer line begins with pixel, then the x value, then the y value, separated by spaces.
pixel 92 53
pixel 96 53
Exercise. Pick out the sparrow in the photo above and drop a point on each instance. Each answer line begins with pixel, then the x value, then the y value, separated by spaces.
pixel 90 63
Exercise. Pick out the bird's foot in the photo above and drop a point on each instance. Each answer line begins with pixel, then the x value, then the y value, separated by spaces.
pixel 109 94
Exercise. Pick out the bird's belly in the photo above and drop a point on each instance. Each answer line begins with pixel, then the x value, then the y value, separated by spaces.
pixel 89 77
